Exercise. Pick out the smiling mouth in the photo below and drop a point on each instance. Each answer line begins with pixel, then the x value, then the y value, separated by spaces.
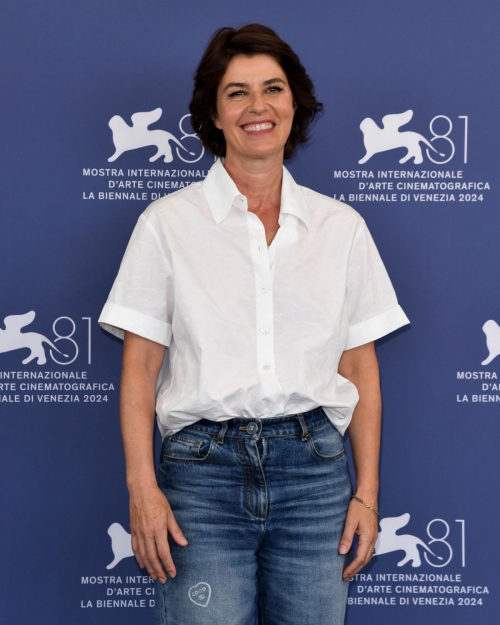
pixel 258 127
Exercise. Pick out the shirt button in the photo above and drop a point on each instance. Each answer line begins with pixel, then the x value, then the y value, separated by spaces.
pixel 264 288
pixel 266 367
pixel 264 329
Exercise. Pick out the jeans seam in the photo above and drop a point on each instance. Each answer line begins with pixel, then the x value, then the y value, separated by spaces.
pixel 265 490
pixel 246 473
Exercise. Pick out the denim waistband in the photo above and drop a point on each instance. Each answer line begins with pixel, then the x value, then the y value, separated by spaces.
pixel 297 423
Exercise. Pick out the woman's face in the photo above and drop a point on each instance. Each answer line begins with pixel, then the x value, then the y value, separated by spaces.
pixel 255 107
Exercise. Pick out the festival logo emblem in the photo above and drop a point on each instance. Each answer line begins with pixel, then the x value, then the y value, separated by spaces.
pixel 482 386
pixel 121 544
pixel 381 180
pixel 13 339
pixel 492 332
pixel 146 184
pixel 139 135
pixel 388 541
pixel 389 138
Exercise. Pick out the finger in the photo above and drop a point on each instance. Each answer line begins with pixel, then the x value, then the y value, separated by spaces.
pixel 154 560
pixel 176 532
pixel 353 567
pixel 363 556
pixel 364 547
pixel 345 542
pixel 360 559
pixel 163 550
pixel 141 546
pixel 135 549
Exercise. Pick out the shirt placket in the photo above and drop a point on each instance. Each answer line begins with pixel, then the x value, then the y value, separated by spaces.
pixel 264 313
pixel 263 290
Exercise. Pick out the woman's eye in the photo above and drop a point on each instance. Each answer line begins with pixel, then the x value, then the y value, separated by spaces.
pixel 237 93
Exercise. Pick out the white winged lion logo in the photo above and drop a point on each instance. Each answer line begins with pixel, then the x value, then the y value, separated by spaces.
pixel 138 135
pixel 389 138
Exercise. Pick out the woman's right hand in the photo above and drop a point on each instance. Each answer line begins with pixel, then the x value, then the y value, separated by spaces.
pixel 151 519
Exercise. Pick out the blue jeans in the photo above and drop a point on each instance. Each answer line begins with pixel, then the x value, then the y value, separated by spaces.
pixel 262 503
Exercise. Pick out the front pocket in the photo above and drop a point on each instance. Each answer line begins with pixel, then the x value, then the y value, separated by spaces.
pixel 189 446
pixel 326 442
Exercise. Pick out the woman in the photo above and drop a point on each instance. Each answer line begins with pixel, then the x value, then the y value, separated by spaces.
pixel 269 297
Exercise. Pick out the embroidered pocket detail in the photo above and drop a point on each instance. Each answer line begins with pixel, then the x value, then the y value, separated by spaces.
pixel 200 594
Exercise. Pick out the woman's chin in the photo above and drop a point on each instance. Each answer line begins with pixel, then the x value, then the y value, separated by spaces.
pixel 257 151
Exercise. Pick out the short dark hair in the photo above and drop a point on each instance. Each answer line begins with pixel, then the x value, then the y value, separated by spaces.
pixel 249 40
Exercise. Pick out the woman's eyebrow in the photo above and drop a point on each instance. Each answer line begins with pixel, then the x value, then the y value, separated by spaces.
pixel 244 84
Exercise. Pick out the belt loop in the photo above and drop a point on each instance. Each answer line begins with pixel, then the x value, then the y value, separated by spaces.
pixel 305 429
pixel 222 431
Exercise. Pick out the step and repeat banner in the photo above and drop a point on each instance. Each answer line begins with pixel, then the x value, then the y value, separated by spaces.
pixel 409 137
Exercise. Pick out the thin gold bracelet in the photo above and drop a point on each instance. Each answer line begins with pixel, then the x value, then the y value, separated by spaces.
pixel 356 497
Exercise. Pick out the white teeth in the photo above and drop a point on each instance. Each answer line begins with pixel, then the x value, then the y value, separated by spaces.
pixel 258 127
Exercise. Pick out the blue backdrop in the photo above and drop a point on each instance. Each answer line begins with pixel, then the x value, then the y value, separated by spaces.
pixel 67 212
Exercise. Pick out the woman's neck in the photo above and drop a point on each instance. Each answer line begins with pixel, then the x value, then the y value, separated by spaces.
pixel 259 180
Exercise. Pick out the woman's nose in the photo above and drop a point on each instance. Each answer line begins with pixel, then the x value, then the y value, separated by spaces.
pixel 257 102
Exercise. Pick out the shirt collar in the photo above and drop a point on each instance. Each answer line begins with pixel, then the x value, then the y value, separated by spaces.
pixel 222 194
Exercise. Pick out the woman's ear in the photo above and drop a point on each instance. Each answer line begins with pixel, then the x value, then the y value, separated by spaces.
pixel 215 120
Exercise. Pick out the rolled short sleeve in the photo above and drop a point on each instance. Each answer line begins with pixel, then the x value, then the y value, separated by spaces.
pixel 372 306
pixel 140 299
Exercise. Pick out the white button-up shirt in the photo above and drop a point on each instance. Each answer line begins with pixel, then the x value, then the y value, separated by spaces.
pixel 252 331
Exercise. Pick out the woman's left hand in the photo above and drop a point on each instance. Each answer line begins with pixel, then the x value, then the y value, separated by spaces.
pixel 364 522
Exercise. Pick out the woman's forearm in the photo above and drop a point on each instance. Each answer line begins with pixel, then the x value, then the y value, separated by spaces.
pixel 142 360
pixel 137 414
pixel 365 427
